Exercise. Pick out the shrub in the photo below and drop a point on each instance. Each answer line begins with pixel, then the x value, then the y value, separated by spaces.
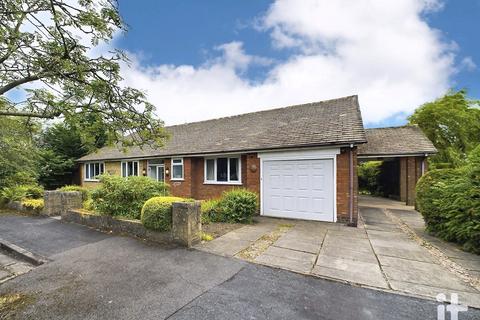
pixel 368 177
pixel 88 205
pixel 17 193
pixel 84 191
pixel 449 200
pixel 118 196
pixel 211 211
pixel 157 213
pixel 238 205
pixel 33 204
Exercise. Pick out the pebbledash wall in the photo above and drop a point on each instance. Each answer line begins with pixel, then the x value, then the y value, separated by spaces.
pixel 193 185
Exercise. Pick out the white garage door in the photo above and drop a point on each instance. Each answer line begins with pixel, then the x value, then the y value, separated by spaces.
pixel 300 189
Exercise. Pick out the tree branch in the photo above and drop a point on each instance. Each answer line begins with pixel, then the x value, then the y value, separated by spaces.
pixel 17 83
pixel 26 114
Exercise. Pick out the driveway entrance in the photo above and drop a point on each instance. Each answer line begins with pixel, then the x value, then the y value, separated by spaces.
pixel 381 253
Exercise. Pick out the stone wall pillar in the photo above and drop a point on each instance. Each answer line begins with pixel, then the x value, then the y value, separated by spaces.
pixel 59 202
pixel 186 223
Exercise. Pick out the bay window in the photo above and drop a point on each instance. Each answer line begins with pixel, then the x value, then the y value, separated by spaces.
pixel 93 170
pixel 222 170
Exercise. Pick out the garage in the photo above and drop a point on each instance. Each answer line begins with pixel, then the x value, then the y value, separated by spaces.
pixel 299 188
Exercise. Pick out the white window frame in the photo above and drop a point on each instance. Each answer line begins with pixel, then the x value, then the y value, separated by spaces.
pixel 172 164
pixel 229 182
pixel 87 165
pixel 126 166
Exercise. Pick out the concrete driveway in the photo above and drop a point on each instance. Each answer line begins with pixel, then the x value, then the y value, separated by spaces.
pixel 112 277
pixel 381 253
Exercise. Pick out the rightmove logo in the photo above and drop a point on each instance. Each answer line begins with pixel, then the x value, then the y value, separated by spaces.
pixel 453 308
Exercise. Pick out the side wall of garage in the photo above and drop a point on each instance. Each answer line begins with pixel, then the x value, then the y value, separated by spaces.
pixel 343 186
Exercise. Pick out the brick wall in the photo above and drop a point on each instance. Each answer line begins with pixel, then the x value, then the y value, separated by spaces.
pixel 194 186
pixel 343 186
pixel 410 172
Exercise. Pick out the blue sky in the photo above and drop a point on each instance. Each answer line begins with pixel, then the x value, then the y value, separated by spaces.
pixel 204 59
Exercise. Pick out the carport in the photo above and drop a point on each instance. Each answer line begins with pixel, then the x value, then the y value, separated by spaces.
pixel 404 152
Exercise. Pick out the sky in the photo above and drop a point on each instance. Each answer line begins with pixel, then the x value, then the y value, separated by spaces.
pixel 199 60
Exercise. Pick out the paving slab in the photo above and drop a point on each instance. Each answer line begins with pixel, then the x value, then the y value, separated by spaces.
pixel 302 266
pixel 341 243
pixel 290 254
pixel 422 273
pixel 6 259
pixel 224 246
pixel 350 270
pixel 348 254
pixel 298 245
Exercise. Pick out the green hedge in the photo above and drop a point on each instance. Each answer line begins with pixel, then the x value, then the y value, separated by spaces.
pixel 449 200
pixel 236 205
pixel 157 213
pixel 118 196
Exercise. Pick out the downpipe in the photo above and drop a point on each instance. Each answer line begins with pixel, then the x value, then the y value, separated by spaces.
pixel 350 202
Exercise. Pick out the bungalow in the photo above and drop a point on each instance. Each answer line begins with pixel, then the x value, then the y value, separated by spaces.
pixel 301 160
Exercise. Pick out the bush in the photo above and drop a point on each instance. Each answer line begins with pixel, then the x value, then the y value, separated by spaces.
pixel 88 205
pixel 157 213
pixel 84 191
pixel 211 211
pixel 118 196
pixel 368 177
pixel 449 200
pixel 33 204
pixel 238 205
pixel 17 193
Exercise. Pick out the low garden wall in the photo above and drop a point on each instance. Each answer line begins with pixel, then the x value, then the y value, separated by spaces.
pixel 18 206
pixel 58 202
pixel 186 224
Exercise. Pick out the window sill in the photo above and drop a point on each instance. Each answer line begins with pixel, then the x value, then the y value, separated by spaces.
pixel 177 179
pixel 91 180
pixel 223 183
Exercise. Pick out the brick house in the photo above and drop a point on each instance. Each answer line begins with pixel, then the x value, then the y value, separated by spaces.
pixel 301 160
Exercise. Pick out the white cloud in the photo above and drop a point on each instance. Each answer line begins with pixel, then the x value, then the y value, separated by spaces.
pixel 383 51
pixel 468 64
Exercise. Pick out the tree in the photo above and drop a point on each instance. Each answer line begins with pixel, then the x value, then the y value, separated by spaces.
pixel 18 151
pixel 60 145
pixel 47 50
pixel 452 123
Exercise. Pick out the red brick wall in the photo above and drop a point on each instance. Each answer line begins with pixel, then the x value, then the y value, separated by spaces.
pixel 194 187
pixel 343 186
pixel 410 172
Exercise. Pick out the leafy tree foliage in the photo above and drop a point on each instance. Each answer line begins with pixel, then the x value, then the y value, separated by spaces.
pixel 48 50
pixel 452 123
pixel 18 151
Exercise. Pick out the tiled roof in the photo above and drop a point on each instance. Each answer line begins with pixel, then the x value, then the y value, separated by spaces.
pixel 331 122
pixel 396 141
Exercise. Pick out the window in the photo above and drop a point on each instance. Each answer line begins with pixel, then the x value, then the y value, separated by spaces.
pixel 222 170
pixel 156 169
pixel 177 169
pixel 129 168
pixel 93 170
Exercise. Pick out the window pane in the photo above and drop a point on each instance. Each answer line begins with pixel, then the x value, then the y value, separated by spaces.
pixel 129 168
pixel 155 161
pixel 97 169
pixel 177 172
pixel 102 169
pixel 177 160
pixel 152 172
pixel 210 170
pixel 222 167
pixel 124 169
pixel 135 168
pixel 87 171
pixel 234 169
pixel 160 174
